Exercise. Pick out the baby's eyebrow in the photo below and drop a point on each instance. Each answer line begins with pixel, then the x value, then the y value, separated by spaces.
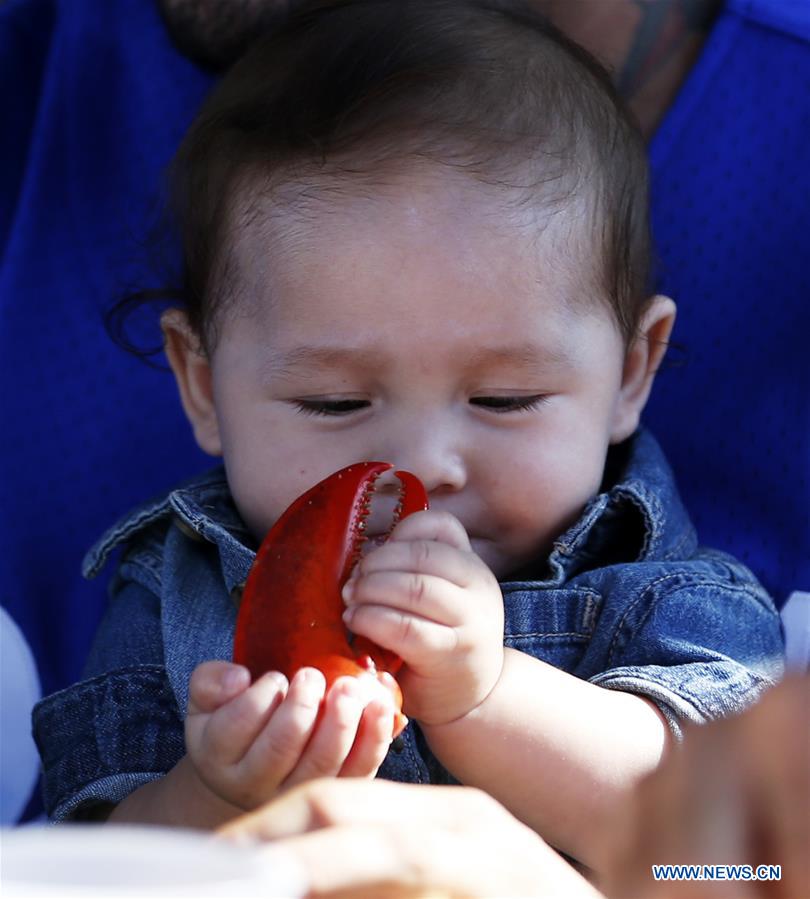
pixel 525 355
pixel 322 357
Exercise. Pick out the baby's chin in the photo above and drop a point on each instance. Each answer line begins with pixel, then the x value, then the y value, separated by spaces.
pixel 491 554
pixel 509 566
pixel 258 526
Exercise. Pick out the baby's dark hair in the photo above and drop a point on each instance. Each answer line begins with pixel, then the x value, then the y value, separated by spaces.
pixel 348 91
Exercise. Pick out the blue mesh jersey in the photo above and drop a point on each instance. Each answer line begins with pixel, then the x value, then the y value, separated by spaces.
pixel 94 101
pixel 731 213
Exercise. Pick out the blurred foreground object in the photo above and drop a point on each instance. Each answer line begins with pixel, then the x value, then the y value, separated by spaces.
pixel 19 690
pixel 725 797
pixel 375 838
pixel 91 861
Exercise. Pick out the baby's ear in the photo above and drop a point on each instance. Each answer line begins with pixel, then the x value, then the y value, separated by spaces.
pixel 192 371
pixel 641 363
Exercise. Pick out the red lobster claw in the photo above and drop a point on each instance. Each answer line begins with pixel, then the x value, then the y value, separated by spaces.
pixel 291 610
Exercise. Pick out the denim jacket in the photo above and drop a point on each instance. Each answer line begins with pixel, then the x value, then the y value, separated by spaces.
pixel 626 600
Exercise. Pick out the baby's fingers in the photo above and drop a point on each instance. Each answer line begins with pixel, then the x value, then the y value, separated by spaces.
pixel 336 732
pixel 213 684
pixel 372 742
pixel 223 737
pixel 433 525
pixel 426 557
pixel 424 595
pixel 276 751
pixel 415 639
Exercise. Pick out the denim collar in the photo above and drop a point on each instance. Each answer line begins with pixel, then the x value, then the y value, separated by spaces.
pixel 203 509
pixel 637 516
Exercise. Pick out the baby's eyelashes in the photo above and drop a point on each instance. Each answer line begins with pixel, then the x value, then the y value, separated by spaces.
pixel 497 404
pixel 510 403
pixel 330 407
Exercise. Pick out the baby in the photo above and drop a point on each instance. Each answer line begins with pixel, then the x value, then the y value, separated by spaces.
pixel 416 232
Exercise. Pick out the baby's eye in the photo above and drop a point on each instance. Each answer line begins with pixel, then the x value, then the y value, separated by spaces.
pixel 330 407
pixel 501 404
pixel 497 404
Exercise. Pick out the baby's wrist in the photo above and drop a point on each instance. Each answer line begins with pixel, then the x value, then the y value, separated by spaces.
pixel 204 802
pixel 178 799
pixel 468 711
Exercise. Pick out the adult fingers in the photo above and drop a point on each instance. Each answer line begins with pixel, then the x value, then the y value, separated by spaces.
pixel 320 803
pixel 402 860
pixel 364 837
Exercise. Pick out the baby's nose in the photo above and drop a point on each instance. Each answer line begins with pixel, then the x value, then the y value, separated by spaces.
pixel 430 447
pixel 447 474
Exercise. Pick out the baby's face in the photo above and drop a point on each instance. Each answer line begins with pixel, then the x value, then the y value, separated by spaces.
pixel 425 329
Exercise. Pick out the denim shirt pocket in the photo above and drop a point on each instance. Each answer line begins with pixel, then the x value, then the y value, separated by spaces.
pixel 554 625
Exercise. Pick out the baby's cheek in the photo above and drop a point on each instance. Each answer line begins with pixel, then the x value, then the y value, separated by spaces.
pixel 257 518
pixel 259 503
pixel 529 538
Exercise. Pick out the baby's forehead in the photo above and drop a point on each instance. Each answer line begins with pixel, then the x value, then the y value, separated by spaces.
pixel 409 266
pixel 404 220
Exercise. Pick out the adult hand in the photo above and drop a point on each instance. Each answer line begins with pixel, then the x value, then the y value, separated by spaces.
pixel 736 793
pixel 372 837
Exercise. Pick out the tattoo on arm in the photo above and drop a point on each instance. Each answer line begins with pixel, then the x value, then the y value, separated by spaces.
pixel 665 29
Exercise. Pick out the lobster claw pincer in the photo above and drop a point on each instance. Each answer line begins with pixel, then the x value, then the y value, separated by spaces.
pixel 291 610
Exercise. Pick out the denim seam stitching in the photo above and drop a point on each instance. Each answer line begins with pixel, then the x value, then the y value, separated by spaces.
pixel 688 581
pixel 72 804
pixel 661 694
pixel 761 681
pixel 576 634
pixel 677 552
pixel 97 557
pixel 134 571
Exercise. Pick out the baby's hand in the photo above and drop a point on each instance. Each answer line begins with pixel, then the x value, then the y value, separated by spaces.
pixel 248 741
pixel 428 597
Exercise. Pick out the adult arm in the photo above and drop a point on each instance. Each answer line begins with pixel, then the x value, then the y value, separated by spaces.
pixel 649 45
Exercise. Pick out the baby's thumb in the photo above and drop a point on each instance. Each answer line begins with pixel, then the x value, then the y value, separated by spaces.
pixel 215 683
